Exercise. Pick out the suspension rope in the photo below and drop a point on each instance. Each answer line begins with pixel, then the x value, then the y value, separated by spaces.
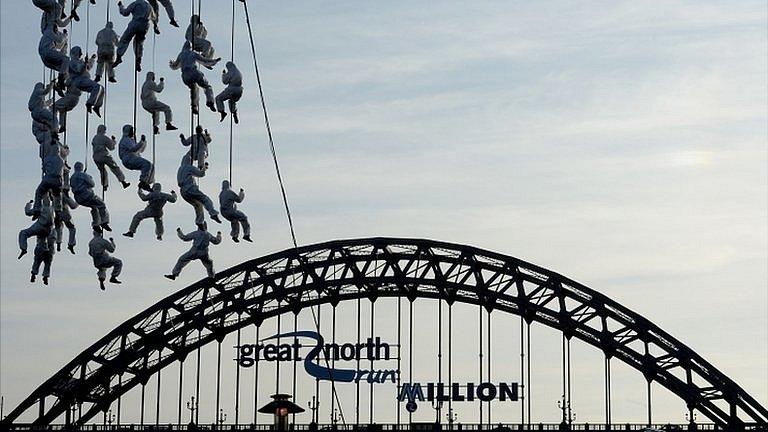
pixel 269 129
pixel 106 71
pixel 87 58
pixel 152 115
pixel 135 100
pixel 280 181
pixel 232 59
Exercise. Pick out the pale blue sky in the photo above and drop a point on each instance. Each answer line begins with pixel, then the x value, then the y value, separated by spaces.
pixel 622 144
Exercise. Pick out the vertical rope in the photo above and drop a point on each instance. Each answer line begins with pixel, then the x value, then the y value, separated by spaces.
pixel 87 44
pixel 399 357
pixel 232 59
pixel 269 129
pixel 106 95
pixel 135 101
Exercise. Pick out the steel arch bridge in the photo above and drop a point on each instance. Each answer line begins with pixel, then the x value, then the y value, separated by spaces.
pixel 336 271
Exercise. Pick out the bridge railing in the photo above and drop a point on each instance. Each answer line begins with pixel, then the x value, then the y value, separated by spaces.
pixel 462 427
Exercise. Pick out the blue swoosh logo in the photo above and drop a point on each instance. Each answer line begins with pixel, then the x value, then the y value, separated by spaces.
pixel 317 371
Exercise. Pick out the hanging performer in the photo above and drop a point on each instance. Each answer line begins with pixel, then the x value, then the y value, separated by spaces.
pixel 130 154
pixel 228 200
pixel 198 145
pixel 156 200
pixel 53 176
pixel 53 13
pixel 201 240
pixel 191 193
pixel 42 225
pixel 63 218
pixel 43 136
pixel 75 5
pixel 66 103
pixel 82 188
pixel 43 254
pixel 150 103
pixel 197 35
pixel 52 48
pixel 102 145
pixel 187 60
pixel 99 249
pixel 141 12
pixel 80 76
pixel 168 5
pixel 44 123
pixel 106 42
pixel 233 79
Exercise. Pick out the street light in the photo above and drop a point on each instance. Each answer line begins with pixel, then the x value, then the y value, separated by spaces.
pixel 451 416
pixel 192 406
pixel 437 405
pixel 222 417
pixel 110 418
pixel 690 417
pixel 313 406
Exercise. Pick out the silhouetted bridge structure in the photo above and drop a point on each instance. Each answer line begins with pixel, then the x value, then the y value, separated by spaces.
pixel 300 279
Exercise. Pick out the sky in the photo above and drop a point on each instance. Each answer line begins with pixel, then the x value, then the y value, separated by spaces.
pixel 622 144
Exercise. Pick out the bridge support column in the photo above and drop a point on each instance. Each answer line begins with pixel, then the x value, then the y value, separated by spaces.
pixel 41 409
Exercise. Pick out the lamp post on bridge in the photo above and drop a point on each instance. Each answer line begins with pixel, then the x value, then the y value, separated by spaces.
pixel 281 406
pixel 192 406
pixel 221 417
pixel 313 406
pixel 690 417
pixel 452 417
pixel 568 417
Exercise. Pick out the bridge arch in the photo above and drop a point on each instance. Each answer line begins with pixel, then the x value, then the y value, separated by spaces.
pixel 341 270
